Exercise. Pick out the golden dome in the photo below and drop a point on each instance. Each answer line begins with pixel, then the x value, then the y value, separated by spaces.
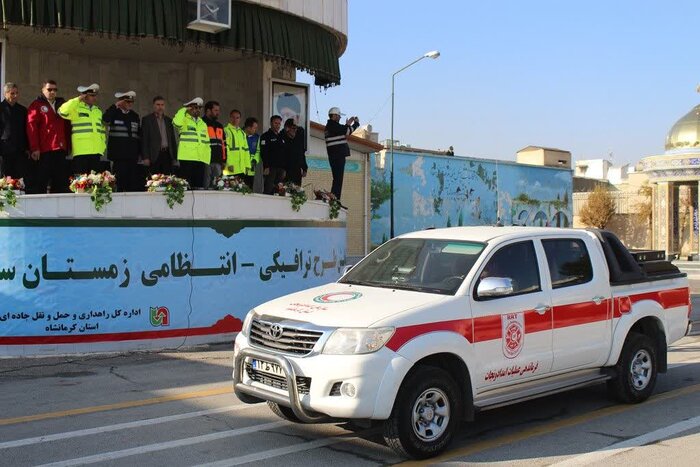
pixel 685 133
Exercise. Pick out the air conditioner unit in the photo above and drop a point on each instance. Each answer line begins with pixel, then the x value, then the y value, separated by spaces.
pixel 210 16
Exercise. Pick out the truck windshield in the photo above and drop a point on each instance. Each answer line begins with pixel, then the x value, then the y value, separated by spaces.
pixel 423 265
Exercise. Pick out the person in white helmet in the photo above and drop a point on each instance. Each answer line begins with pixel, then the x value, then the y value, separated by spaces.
pixel 337 146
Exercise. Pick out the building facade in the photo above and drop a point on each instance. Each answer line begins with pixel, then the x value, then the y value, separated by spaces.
pixel 674 177
pixel 150 47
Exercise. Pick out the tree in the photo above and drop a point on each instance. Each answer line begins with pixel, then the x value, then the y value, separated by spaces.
pixel 380 192
pixel 599 208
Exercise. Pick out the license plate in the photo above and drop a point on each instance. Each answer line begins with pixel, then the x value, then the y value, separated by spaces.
pixel 267 367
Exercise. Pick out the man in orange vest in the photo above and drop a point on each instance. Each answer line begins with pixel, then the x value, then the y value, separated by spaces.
pixel 217 139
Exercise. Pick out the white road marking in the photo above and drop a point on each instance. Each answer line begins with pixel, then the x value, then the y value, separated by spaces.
pixel 108 456
pixel 260 456
pixel 629 444
pixel 119 426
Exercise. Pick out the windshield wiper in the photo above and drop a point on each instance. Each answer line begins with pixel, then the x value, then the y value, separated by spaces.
pixel 355 282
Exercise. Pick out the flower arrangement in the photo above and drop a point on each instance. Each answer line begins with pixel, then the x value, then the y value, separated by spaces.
pixel 173 187
pixel 8 188
pixel 295 192
pixel 333 203
pixel 99 185
pixel 232 183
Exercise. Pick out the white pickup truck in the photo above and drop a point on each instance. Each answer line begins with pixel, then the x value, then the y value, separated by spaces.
pixel 437 325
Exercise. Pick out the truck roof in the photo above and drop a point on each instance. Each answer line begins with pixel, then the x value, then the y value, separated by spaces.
pixel 485 233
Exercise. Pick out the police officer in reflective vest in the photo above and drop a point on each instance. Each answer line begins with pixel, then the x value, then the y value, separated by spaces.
pixel 194 150
pixel 337 145
pixel 124 142
pixel 239 162
pixel 87 130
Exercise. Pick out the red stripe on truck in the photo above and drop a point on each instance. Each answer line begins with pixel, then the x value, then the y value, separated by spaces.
pixel 488 328
pixel 406 333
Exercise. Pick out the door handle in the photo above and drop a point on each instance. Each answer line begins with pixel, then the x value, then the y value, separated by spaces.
pixel 598 299
pixel 542 309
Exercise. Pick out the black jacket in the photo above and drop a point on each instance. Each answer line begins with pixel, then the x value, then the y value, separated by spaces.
pixel 217 140
pixel 272 150
pixel 295 151
pixel 336 138
pixel 150 137
pixel 124 135
pixel 13 128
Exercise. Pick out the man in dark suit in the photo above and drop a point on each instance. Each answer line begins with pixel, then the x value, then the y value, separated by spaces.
pixel 158 144
pixel 13 134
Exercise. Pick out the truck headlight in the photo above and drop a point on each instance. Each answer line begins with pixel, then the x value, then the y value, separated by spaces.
pixel 349 341
pixel 245 330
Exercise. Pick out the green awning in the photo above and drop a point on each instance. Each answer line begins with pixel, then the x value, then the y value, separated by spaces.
pixel 271 33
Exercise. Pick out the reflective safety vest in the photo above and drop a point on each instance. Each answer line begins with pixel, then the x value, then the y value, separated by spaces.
pixel 194 138
pixel 238 161
pixel 88 135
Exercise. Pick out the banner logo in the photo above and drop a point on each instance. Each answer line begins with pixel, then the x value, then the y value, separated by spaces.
pixel 160 316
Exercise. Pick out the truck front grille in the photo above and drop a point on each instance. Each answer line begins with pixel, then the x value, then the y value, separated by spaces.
pixel 285 339
pixel 277 382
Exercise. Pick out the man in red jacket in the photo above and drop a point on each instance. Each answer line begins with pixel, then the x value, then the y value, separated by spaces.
pixel 49 137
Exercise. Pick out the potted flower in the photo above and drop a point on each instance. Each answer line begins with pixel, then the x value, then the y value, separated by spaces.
pixel 173 187
pixel 99 184
pixel 9 189
pixel 295 192
pixel 231 183
pixel 333 203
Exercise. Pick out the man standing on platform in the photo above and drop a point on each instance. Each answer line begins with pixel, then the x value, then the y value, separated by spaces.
pixel 238 161
pixel 254 177
pixel 88 139
pixel 158 145
pixel 13 134
pixel 337 146
pixel 194 150
pixel 217 141
pixel 273 153
pixel 124 142
pixel 48 137
pixel 295 146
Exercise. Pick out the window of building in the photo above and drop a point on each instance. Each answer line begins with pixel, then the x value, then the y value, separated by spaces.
pixel 568 261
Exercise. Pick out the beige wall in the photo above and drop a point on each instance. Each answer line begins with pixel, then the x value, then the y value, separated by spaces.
pixel 354 187
pixel 235 84
pixel 625 223
pixel 545 157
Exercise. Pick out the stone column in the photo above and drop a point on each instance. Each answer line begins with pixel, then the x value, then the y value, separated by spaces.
pixel 663 222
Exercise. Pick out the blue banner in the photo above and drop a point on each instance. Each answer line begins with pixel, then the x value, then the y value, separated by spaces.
pixel 72 284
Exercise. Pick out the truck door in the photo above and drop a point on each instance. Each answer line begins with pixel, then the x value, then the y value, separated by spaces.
pixel 580 301
pixel 512 331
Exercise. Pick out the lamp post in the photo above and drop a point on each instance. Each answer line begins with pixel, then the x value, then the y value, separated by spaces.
pixel 433 54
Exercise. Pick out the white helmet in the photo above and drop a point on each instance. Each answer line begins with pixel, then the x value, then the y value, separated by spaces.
pixel 335 111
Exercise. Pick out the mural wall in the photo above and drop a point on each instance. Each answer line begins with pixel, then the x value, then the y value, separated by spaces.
pixel 443 191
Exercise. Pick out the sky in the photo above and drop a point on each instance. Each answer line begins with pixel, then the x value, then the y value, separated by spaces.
pixel 591 77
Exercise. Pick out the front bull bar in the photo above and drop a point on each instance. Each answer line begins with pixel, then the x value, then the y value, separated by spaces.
pixel 293 401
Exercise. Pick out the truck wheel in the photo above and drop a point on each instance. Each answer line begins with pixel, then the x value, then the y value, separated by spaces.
pixel 283 412
pixel 426 414
pixel 635 370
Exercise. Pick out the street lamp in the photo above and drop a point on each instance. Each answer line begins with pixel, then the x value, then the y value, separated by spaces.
pixel 433 54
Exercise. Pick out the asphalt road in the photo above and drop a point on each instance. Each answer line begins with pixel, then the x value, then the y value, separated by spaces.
pixel 142 410
pixel 177 409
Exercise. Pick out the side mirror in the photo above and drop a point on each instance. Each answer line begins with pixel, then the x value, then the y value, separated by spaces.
pixel 494 287
pixel 347 268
